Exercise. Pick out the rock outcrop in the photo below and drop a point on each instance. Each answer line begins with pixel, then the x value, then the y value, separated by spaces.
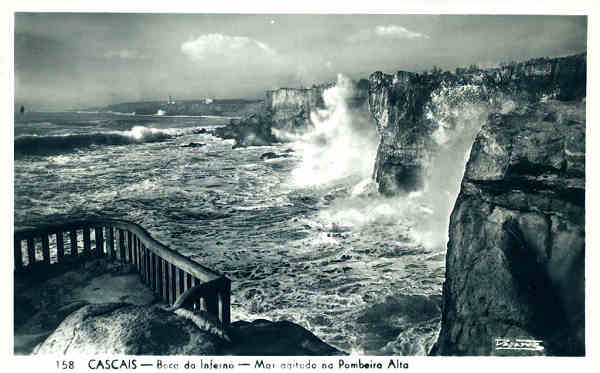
pixel 291 107
pixel 287 111
pixel 515 260
pixel 121 328
pixel 253 130
pixel 281 338
pixel 417 114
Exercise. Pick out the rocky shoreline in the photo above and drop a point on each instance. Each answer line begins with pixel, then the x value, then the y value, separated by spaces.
pixel 99 306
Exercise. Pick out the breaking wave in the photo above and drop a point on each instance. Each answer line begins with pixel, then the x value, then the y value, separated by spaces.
pixel 60 144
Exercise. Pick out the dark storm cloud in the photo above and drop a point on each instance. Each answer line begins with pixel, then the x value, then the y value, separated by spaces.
pixel 79 60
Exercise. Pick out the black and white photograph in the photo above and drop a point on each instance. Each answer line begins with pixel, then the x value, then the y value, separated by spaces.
pixel 298 184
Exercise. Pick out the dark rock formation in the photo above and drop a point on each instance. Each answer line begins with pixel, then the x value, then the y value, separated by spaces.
pixel 283 338
pixel 254 130
pixel 414 110
pixel 193 145
pixel 272 155
pixel 515 260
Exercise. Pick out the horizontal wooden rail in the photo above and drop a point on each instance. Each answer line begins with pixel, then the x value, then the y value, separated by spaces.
pixel 165 271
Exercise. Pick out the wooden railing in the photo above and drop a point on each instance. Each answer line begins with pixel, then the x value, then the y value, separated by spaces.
pixel 166 272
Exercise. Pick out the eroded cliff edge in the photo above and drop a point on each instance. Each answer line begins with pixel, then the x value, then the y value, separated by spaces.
pixel 287 111
pixel 420 114
pixel 516 249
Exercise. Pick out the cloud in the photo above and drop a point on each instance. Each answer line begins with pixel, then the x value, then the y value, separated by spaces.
pixel 126 54
pixel 219 45
pixel 398 32
pixel 386 32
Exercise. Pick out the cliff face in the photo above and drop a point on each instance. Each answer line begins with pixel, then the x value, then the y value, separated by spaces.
pixel 290 108
pixel 417 114
pixel 515 260
pixel 287 110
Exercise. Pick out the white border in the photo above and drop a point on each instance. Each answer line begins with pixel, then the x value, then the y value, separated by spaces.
pixel 487 364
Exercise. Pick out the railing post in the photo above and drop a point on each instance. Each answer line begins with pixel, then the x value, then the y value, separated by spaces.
pixel 153 271
pixel 73 239
pixel 60 246
pixel 122 245
pixel 158 274
pixel 173 283
pixel 200 304
pixel 87 242
pixel 224 302
pixel 146 274
pixel 180 287
pixel 45 249
pixel 18 255
pixel 111 241
pixel 165 279
pixel 138 245
pixel 149 266
pixel 136 257
pixel 99 235
pixel 142 268
pixel 129 251
pixel 31 251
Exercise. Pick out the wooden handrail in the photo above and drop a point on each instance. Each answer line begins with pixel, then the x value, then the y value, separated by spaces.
pixel 164 270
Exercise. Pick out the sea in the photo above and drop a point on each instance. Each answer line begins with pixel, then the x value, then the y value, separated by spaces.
pixel 304 237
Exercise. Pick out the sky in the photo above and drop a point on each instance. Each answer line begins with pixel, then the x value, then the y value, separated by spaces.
pixel 78 60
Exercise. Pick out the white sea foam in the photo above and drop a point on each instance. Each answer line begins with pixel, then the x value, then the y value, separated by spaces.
pixel 341 143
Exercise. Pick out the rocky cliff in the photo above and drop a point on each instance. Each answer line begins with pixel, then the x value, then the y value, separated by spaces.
pixel 418 115
pixel 515 258
pixel 290 108
pixel 516 250
pixel 287 111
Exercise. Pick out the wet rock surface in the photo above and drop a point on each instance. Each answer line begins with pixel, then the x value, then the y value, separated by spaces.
pixel 515 261
pixel 121 328
pixel 281 338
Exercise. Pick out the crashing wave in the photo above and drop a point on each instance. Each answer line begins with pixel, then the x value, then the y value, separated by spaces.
pixel 60 144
